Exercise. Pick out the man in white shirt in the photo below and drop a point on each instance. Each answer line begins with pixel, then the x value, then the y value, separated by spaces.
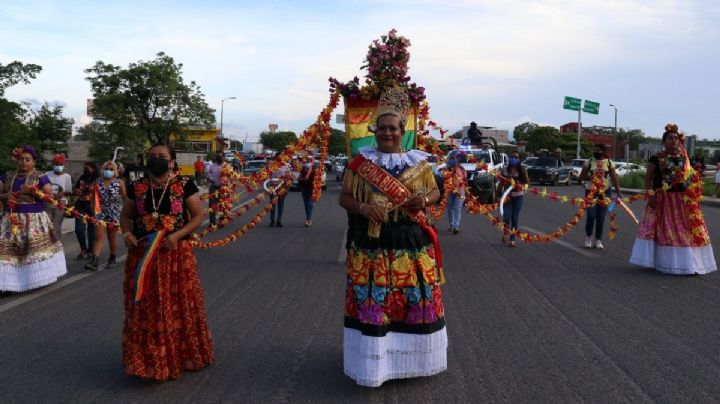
pixel 61 184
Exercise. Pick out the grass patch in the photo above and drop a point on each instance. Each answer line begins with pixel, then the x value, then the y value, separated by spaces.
pixel 637 181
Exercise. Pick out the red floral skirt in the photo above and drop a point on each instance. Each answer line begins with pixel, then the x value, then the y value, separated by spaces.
pixel 167 331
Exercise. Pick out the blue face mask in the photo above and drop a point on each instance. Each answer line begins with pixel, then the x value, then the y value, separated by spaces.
pixel 108 173
pixel 58 169
pixel 514 161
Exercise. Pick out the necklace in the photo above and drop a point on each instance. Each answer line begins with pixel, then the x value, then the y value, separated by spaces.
pixel 155 206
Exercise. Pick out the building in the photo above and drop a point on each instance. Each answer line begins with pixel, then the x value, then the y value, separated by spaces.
pixel 196 143
pixel 647 150
pixel 599 135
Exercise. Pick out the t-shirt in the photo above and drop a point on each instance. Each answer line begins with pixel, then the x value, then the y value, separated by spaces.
pixel 60 182
pixel 199 166
pixel 603 165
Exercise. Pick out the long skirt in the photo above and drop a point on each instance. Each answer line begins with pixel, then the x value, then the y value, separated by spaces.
pixel 166 332
pixel 394 311
pixel 673 238
pixel 31 256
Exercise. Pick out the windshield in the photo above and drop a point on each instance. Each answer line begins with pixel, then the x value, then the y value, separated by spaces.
pixel 578 163
pixel 254 164
pixel 479 156
pixel 546 162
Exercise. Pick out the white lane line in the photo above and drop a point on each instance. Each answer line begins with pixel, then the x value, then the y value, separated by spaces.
pixel 565 244
pixel 342 257
pixel 59 285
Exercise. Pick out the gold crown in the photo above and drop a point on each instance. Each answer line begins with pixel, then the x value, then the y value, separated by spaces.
pixel 394 101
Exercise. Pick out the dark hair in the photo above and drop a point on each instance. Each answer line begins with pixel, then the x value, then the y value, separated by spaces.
pixel 670 128
pixel 95 174
pixel 602 147
pixel 170 150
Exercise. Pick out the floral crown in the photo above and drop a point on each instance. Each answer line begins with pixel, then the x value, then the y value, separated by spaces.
pixel 23 149
pixel 673 128
pixel 393 101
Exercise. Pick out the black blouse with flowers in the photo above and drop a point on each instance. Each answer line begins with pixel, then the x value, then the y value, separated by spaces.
pixel 172 213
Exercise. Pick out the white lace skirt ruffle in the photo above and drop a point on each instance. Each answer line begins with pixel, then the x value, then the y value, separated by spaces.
pixel 673 260
pixel 371 361
pixel 20 278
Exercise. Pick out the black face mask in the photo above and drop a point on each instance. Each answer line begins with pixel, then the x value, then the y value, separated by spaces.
pixel 158 167
pixel 598 156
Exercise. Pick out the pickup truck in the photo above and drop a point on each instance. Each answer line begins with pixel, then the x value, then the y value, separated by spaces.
pixel 481 182
pixel 550 170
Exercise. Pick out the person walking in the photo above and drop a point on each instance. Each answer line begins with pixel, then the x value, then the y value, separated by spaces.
pixel 394 312
pixel 306 180
pixel 512 207
pixel 165 330
pixel 199 167
pixel 31 255
pixel 457 193
pixel 278 177
pixel 598 166
pixel 85 206
pixel 672 236
pixel 109 193
pixel 61 185
pixel 215 181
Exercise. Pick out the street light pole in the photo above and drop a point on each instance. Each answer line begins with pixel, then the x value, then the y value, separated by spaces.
pixel 222 110
pixel 615 132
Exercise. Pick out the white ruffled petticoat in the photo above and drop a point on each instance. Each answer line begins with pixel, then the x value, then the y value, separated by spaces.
pixel 673 260
pixel 371 361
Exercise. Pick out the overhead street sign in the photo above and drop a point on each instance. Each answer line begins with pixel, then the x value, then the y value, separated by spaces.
pixel 591 107
pixel 572 103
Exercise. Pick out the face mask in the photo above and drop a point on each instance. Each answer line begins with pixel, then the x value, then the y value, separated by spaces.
pixel 58 169
pixel 108 173
pixel 158 167
pixel 514 161
pixel 452 163
pixel 598 156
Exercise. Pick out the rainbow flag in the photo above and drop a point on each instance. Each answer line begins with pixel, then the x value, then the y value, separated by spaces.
pixel 154 242
pixel 359 114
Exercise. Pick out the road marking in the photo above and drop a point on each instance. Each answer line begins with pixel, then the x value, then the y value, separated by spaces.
pixel 565 244
pixel 59 285
pixel 342 257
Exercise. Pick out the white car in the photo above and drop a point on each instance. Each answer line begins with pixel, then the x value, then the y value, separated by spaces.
pixel 577 166
pixel 622 168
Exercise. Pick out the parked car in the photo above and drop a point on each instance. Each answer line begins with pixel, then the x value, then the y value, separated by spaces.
pixel 528 162
pixel 623 168
pixel 710 171
pixel 339 167
pixel 295 186
pixel 253 166
pixel 550 170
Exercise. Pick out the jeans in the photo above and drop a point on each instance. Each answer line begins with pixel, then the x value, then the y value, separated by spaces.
pixel 454 208
pixel 278 208
pixel 511 213
pixel 85 239
pixel 307 201
pixel 596 217
pixel 56 217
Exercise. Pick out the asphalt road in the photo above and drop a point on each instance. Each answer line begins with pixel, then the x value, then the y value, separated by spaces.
pixel 544 322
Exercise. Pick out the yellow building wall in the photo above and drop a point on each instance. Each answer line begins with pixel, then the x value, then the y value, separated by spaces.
pixel 186 159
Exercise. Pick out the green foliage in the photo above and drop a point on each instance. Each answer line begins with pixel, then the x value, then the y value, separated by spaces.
pixel 277 141
pixel 147 99
pixel 457 135
pixel 50 130
pixel 15 73
pixel 105 138
pixel 235 144
pixel 632 180
pixel 13 131
pixel 336 144
pixel 521 132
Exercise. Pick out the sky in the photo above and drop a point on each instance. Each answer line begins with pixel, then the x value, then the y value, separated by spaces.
pixel 496 62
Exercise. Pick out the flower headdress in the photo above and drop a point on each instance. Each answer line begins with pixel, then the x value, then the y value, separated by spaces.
pixel 23 149
pixel 673 128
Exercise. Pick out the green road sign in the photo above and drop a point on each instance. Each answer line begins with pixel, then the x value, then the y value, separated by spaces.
pixel 572 103
pixel 591 107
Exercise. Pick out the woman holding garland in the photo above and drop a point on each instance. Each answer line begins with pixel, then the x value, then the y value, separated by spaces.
pixel 672 236
pixel 394 312
pixel 110 194
pixel 166 331
pixel 511 210
pixel 598 166
pixel 31 254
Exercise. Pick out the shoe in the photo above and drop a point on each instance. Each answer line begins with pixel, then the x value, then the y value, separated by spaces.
pixel 456 230
pixel 111 262
pixel 504 239
pixel 450 230
pixel 598 245
pixel 272 223
pixel 512 244
pixel 278 224
pixel 588 242
pixel 307 223
pixel 81 256
pixel 93 265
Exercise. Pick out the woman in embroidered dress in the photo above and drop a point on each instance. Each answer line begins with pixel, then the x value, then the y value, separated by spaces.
pixel 31 254
pixel 512 208
pixel 111 193
pixel 672 236
pixel 394 313
pixel 166 331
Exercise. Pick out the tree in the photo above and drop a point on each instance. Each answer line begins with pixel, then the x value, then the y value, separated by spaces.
pixel 521 131
pixel 278 140
pixel 457 135
pixel 542 137
pixel 50 130
pixel 235 144
pixel 147 99
pixel 336 144
pixel 13 131
pixel 105 138
pixel 16 72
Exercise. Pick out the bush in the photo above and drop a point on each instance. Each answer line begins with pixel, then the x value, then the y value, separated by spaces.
pixel 633 181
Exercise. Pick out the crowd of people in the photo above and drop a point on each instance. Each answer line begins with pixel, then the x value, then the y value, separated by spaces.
pixel 394 315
